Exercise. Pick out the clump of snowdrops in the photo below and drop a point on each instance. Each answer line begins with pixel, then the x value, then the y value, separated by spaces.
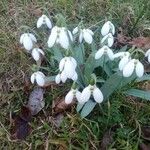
pixel 94 68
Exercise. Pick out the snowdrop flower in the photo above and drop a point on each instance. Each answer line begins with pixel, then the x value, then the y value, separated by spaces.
pixel 60 35
pixel 68 65
pixel 44 20
pixel 125 58
pixel 27 39
pixel 147 54
pixel 108 39
pixel 73 93
pixel 105 50
pixel 38 77
pixel 91 90
pixel 133 64
pixel 67 68
pixel 85 34
pixel 108 27
pixel 36 53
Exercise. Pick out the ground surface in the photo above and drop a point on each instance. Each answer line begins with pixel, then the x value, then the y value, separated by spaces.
pixel 120 120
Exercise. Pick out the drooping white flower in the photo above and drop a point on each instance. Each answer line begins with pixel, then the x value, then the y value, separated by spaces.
pixel 125 58
pixel 38 77
pixel 108 27
pixel 91 90
pixel 68 65
pixel 108 40
pixel 147 54
pixel 73 93
pixel 36 53
pixel 133 64
pixel 67 68
pixel 85 34
pixel 44 20
pixel 61 36
pixel 27 39
pixel 105 50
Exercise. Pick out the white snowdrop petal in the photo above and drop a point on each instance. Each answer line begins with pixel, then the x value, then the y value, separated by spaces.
pixel 22 37
pixel 58 79
pixel 70 35
pixel 97 94
pixel 35 54
pixel 48 22
pixel 75 77
pixel 63 77
pixel 78 95
pixel 27 43
pixel 81 37
pixel 69 69
pixel 139 69
pixel 147 53
pixel 105 28
pixel 39 22
pixel 149 58
pixel 40 80
pixel 128 69
pixel 99 53
pixel 75 30
pixel 119 54
pixel 53 36
pixel 74 62
pixel 123 62
pixel 85 95
pixel 63 39
pixel 87 37
pixel 41 51
pixel 90 31
pixel 32 79
pixel 33 38
pixel 110 40
pixel 112 28
pixel 110 54
pixel 62 63
pixel 104 39
pixel 69 97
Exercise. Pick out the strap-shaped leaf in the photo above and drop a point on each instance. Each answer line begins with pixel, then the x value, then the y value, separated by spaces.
pixel 88 107
pixel 79 107
pixel 91 64
pixel 139 93
pixel 143 78
pixel 115 82
pixel 79 54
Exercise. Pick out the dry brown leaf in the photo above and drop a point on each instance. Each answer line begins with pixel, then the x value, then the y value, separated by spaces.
pixel 59 105
pixel 36 103
pixel 57 120
pixel 143 146
pixel 141 42
pixel 108 138
pixel 146 132
pixel 21 128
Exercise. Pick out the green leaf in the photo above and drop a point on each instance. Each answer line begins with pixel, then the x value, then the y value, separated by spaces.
pixel 88 107
pixel 91 64
pixel 139 93
pixel 57 53
pixel 143 78
pixel 115 82
pixel 79 107
pixel 50 78
pixel 78 55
